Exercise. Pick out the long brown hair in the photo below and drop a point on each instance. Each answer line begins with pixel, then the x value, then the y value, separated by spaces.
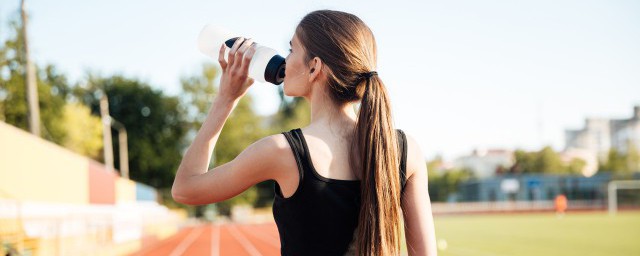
pixel 347 47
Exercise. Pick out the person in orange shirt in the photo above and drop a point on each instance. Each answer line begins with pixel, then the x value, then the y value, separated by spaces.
pixel 560 204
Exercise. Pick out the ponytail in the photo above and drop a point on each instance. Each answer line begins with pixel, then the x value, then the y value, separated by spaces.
pixel 376 150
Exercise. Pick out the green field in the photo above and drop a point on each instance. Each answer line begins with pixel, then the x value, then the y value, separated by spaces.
pixel 581 234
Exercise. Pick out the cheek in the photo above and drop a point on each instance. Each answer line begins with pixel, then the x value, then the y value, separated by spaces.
pixel 293 80
pixel 290 66
pixel 291 73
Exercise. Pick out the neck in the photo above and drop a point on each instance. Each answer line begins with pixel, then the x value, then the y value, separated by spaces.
pixel 326 113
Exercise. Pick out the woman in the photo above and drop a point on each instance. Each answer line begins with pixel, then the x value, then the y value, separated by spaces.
pixel 345 183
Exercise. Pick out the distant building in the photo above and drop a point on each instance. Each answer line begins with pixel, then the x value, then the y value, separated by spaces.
pixel 626 132
pixel 484 163
pixel 599 135
pixel 595 137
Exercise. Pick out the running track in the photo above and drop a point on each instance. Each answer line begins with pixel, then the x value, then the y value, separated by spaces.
pixel 219 240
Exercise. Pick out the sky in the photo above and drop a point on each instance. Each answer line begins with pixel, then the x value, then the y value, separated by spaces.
pixel 461 74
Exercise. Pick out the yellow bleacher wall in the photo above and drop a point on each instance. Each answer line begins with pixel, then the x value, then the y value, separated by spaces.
pixel 33 169
pixel 125 191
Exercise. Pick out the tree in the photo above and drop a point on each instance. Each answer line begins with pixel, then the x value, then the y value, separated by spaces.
pixel 548 161
pixel 243 127
pixel 293 113
pixel 443 185
pixel 52 90
pixel 154 124
pixel 544 161
pixel 84 131
pixel 575 166
pixel 633 157
pixel 616 162
pixel 622 163
pixel 524 162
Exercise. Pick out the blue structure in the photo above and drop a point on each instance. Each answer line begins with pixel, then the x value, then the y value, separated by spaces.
pixel 536 187
pixel 145 193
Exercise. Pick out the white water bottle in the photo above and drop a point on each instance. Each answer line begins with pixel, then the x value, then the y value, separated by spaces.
pixel 265 66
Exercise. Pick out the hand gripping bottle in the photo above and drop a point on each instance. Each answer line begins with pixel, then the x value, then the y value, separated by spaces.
pixel 265 66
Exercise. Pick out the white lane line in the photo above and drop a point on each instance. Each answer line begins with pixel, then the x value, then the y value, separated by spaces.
pixel 182 247
pixel 243 241
pixel 260 235
pixel 215 240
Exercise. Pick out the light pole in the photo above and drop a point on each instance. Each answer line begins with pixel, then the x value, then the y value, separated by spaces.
pixel 30 78
pixel 107 122
pixel 106 132
pixel 122 142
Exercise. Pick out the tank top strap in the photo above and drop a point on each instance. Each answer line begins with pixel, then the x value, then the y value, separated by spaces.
pixel 301 153
pixel 300 150
pixel 402 144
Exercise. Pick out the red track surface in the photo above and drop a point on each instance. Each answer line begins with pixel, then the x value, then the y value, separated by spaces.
pixel 219 240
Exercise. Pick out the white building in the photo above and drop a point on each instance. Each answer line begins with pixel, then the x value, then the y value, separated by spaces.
pixel 601 134
pixel 594 137
pixel 484 163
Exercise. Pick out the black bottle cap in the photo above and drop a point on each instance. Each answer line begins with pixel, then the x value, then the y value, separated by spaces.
pixel 274 73
pixel 229 43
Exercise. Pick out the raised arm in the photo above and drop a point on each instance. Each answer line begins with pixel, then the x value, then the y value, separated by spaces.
pixel 416 205
pixel 193 184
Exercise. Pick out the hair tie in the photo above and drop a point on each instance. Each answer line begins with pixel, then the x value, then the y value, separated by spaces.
pixel 368 74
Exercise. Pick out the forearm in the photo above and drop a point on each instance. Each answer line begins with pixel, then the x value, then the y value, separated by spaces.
pixel 196 159
pixel 233 85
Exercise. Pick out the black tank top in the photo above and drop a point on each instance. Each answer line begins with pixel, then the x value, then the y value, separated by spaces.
pixel 321 216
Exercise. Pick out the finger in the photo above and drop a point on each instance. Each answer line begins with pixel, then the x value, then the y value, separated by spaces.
pixel 233 50
pixel 223 63
pixel 242 52
pixel 248 55
pixel 245 45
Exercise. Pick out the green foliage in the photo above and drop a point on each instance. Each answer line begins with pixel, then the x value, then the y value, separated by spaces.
pixel 548 161
pixel 544 161
pixel 84 131
pixel 442 186
pixel 622 163
pixel 198 92
pixel 293 113
pixel 153 121
pixel 576 165
pixel 13 103
pixel 633 157
pixel 444 183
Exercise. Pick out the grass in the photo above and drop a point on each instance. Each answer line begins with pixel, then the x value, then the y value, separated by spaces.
pixel 584 234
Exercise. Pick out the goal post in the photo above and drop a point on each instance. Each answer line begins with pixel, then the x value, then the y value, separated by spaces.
pixel 613 187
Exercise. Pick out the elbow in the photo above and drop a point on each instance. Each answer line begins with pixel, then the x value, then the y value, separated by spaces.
pixel 179 196
pixel 186 197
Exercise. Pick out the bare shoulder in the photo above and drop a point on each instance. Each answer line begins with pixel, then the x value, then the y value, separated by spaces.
pixel 269 150
pixel 273 153
pixel 415 157
pixel 272 144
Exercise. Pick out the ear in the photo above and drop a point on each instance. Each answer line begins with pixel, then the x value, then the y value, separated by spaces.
pixel 316 69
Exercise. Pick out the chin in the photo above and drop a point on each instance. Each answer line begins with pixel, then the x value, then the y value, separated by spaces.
pixel 291 90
